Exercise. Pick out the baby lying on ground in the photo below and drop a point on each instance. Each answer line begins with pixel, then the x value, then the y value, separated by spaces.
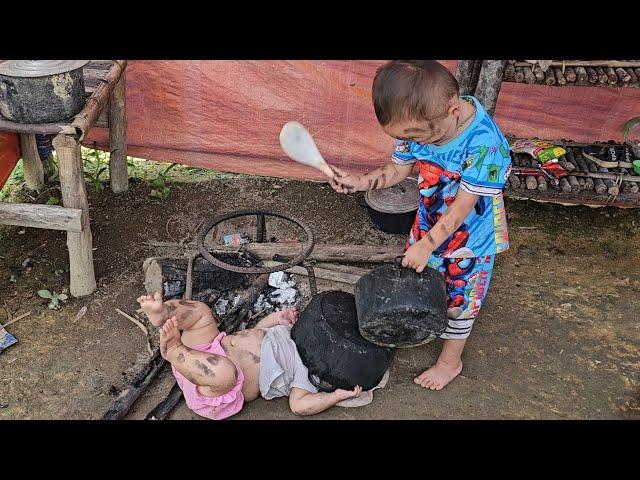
pixel 218 372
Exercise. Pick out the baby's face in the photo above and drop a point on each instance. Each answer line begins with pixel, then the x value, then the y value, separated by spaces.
pixel 436 131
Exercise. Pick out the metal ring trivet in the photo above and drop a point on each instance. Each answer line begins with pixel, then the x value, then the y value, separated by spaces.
pixel 308 247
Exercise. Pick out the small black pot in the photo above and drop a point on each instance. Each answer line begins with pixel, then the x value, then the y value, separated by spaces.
pixel 390 222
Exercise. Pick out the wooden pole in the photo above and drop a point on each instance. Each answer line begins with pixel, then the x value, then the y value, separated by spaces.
pixel 74 195
pixel 33 170
pixel 467 73
pixel 489 84
pixel 118 137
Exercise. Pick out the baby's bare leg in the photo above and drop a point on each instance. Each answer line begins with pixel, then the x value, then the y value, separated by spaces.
pixel 194 318
pixel 214 374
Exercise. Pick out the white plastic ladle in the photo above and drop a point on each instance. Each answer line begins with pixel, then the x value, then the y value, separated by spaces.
pixel 298 144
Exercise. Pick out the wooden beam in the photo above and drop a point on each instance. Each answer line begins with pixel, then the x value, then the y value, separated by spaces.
pixel 74 195
pixel 52 217
pixel 33 170
pixel 84 120
pixel 118 138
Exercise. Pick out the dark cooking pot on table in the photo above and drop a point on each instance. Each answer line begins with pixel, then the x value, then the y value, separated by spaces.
pixel 398 307
pixel 41 91
pixel 393 209
pixel 331 347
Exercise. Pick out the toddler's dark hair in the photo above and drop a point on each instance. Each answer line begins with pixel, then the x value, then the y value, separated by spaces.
pixel 412 90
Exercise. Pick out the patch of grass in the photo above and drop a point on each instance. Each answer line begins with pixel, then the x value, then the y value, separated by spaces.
pixel 96 172
pixel 612 247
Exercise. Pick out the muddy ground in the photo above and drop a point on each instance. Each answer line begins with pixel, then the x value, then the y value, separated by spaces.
pixel 558 336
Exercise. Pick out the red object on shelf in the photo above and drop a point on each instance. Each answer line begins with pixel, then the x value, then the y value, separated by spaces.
pixel 9 155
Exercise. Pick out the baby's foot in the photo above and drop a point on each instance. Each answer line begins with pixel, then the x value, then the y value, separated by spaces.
pixel 169 338
pixel 153 307
pixel 287 317
pixel 438 376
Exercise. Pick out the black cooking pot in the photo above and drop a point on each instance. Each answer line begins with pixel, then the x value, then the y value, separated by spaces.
pixel 41 91
pixel 398 307
pixel 393 209
pixel 331 347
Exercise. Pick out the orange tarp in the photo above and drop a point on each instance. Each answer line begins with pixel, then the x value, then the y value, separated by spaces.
pixel 227 114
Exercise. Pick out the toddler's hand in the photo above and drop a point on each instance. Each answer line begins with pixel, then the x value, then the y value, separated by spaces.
pixel 347 394
pixel 344 182
pixel 417 256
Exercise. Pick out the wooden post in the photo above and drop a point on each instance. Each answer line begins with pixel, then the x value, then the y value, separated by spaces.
pixel 74 195
pixel 467 73
pixel 33 170
pixel 118 137
pixel 489 84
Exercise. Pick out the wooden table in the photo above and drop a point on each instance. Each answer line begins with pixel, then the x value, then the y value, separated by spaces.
pixel 104 87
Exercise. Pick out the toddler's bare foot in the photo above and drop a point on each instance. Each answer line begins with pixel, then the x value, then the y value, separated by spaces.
pixel 286 317
pixel 169 338
pixel 153 307
pixel 438 376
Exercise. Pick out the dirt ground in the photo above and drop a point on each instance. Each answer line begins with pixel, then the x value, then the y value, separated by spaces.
pixel 558 336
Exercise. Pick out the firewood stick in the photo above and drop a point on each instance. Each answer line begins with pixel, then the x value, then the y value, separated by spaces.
pixel 636 70
pixel 539 74
pixel 514 181
pixel 622 75
pixel 568 166
pixel 580 182
pixel 549 77
pixel 574 184
pixel 511 62
pixel 529 77
pixel 582 78
pixel 592 74
pixel 572 154
pixel 628 187
pixel 509 72
pixel 164 408
pixel 603 78
pixel 586 63
pixel 612 78
pixel 519 77
pixel 612 188
pixel 531 183
pixel 564 185
pixel 542 184
pixel 632 74
pixel 140 382
pixel 557 71
pixel 589 184
pixel 570 74
pixel 598 184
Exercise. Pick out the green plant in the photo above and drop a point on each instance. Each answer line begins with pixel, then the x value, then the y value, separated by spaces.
pixel 160 190
pixel 54 298
pixel 94 177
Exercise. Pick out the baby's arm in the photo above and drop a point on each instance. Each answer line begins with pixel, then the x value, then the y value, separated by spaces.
pixel 304 403
pixel 418 254
pixel 383 177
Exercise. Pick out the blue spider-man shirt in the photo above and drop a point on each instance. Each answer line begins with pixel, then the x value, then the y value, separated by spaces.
pixel 477 161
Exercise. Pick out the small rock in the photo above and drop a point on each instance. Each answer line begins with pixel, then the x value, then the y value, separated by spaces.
pixel 566 305
pixel 4 405
pixel 21 232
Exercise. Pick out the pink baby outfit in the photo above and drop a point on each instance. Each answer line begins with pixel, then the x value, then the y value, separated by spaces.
pixel 215 408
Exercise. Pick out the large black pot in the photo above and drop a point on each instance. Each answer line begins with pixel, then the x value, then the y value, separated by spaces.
pixel 393 209
pixel 41 91
pixel 398 307
pixel 331 347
